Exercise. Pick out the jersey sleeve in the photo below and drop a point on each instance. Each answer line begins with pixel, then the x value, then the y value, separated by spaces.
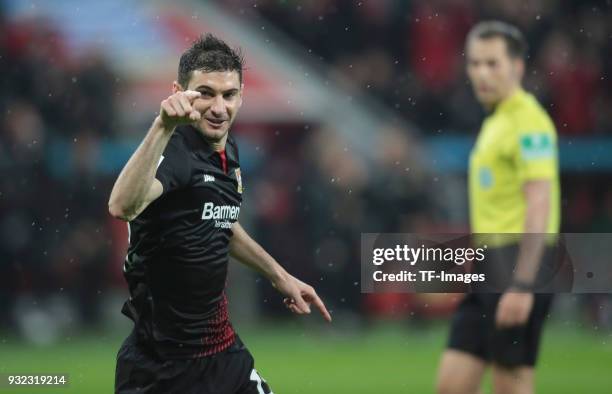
pixel 535 154
pixel 174 169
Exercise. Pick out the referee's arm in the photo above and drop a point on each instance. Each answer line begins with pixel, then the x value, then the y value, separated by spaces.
pixel 250 253
pixel 515 305
pixel 537 197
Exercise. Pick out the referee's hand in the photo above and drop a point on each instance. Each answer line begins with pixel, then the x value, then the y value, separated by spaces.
pixel 177 109
pixel 300 296
pixel 513 309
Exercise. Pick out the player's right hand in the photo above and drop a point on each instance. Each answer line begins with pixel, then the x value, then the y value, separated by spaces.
pixel 300 296
pixel 177 109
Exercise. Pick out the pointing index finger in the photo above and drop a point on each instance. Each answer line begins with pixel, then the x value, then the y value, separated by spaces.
pixel 321 307
pixel 192 95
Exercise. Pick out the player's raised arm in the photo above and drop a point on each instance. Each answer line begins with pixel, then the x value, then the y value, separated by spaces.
pixel 299 294
pixel 136 186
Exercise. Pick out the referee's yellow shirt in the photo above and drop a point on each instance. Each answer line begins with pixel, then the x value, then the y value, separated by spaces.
pixel 517 143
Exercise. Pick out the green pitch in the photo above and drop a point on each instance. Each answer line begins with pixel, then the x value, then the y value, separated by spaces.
pixel 382 360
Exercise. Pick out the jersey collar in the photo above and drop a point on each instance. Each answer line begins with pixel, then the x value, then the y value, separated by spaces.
pixel 206 148
pixel 209 152
pixel 511 100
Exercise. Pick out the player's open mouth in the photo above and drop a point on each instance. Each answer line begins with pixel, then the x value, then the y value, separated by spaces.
pixel 215 123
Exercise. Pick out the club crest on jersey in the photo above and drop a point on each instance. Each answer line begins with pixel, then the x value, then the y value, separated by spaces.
pixel 239 180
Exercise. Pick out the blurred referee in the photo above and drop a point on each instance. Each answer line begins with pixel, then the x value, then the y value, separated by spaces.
pixel 513 189
pixel 181 193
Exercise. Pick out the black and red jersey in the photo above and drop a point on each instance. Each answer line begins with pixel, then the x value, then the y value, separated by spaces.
pixel 178 253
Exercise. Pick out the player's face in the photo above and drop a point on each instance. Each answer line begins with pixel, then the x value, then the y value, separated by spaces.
pixel 220 100
pixel 492 71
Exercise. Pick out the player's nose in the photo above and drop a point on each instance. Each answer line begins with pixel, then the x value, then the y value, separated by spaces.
pixel 218 107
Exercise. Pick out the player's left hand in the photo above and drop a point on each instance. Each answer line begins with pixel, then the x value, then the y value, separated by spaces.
pixel 513 309
pixel 300 296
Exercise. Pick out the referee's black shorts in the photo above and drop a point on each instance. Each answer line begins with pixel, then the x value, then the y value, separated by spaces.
pixel 473 329
pixel 232 371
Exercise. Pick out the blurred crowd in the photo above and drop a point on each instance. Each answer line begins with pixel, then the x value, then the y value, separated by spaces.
pixel 57 110
pixel 312 197
pixel 410 53
pixel 317 196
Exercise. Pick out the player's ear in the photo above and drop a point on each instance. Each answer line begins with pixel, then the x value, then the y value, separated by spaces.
pixel 240 95
pixel 176 87
pixel 519 68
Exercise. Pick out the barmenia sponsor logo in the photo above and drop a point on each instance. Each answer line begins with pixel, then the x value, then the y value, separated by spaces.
pixel 223 215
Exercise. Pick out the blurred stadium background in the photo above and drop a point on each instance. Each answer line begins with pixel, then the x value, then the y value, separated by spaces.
pixel 357 118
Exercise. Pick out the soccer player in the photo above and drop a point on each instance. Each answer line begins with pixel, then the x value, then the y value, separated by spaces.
pixel 181 193
pixel 513 188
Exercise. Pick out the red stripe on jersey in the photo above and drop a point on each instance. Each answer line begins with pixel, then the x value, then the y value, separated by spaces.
pixel 220 335
pixel 223 161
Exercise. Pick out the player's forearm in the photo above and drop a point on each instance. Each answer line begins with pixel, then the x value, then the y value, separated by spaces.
pixel 244 249
pixel 135 179
pixel 533 242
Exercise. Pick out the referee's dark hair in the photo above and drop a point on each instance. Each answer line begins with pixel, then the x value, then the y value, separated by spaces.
pixel 515 41
pixel 209 54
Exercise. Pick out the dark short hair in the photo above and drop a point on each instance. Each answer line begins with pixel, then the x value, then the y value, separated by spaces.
pixel 512 36
pixel 209 53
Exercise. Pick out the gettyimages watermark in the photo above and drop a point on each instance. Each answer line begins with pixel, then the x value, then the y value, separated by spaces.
pixel 485 263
